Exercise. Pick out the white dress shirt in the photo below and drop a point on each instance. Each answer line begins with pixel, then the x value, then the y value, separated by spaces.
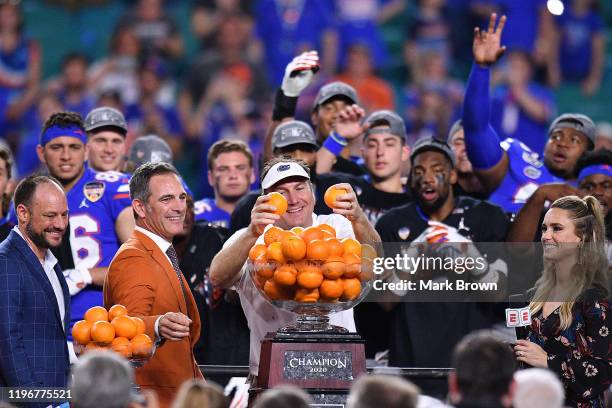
pixel 48 264
pixel 163 245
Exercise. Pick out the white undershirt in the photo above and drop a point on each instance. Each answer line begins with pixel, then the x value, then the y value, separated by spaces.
pixel 48 264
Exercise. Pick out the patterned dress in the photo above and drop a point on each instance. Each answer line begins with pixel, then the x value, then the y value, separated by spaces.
pixel 581 354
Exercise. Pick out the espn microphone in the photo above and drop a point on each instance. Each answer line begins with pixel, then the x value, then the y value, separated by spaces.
pixel 518 316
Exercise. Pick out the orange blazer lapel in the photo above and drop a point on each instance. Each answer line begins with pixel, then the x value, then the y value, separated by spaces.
pixel 164 262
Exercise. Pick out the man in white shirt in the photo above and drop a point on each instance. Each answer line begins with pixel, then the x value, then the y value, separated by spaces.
pixel 34 297
pixel 290 178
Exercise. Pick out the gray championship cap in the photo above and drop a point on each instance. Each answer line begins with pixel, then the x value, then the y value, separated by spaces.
pixel 105 117
pixel 429 143
pixel 150 148
pixel 333 90
pixel 577 121
pixel 293 132
pixel 388 118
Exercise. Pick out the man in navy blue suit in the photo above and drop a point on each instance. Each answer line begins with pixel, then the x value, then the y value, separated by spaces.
pixel 34 297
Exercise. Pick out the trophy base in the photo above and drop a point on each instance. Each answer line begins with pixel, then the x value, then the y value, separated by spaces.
pixel 324 364
pixel 313 324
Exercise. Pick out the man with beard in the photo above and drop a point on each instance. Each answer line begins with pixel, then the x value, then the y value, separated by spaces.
pixel 508 170
pixel 34 297
pixel 423 334
pixel 100 214
pixel 230 173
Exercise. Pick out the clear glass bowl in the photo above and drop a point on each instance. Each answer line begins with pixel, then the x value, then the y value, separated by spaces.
pixel 312 311
pixel 142 357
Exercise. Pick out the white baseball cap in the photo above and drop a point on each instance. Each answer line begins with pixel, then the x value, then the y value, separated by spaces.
pixel 281 171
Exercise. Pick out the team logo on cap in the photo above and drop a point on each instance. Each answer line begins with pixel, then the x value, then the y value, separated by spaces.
pixel 283 167
pixel 292 133
pixel 94 190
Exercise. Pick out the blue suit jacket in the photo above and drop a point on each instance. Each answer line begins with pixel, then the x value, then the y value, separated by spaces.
pixel 33 350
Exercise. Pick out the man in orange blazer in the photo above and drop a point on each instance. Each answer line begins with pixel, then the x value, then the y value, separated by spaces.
pixel 145 277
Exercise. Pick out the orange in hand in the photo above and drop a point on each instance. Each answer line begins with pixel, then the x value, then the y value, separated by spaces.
pixel 81 332
pixel 96 313
pixel 102 332
pixel 294 248
pixel 124 326
pixel 279 201
pixel 332 193
pixel 116 310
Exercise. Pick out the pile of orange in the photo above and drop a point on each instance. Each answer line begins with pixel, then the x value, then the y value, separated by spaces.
pixel 310 265
pixel 113 329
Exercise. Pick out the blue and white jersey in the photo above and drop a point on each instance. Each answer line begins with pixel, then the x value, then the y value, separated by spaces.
pixel 526 172
pixel 94 203
pixel 206 210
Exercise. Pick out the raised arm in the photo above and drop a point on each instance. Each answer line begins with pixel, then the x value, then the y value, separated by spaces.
pixel 481 142
pixel 298 75
pixel 226 265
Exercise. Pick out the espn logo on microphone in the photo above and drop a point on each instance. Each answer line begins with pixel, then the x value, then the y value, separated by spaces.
pixel 518 317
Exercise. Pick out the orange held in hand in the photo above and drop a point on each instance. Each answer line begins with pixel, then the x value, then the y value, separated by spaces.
pixel 332 193
pixel 102 332
pixel 96 313
pixel 81 332
pixel 279 201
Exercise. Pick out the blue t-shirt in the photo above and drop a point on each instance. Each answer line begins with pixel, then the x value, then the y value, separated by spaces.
pixel 576 47
pixel 94 204
pixel 206 210
pixel 525 174
pixel 510 121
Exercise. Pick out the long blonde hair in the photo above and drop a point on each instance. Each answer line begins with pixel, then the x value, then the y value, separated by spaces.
pixel 591 270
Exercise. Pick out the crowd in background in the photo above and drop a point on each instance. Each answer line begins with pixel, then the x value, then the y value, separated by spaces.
pixel 224 88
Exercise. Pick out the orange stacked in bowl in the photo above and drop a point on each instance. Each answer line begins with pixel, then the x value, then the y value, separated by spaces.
pixel 310 265
pixel 113 329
